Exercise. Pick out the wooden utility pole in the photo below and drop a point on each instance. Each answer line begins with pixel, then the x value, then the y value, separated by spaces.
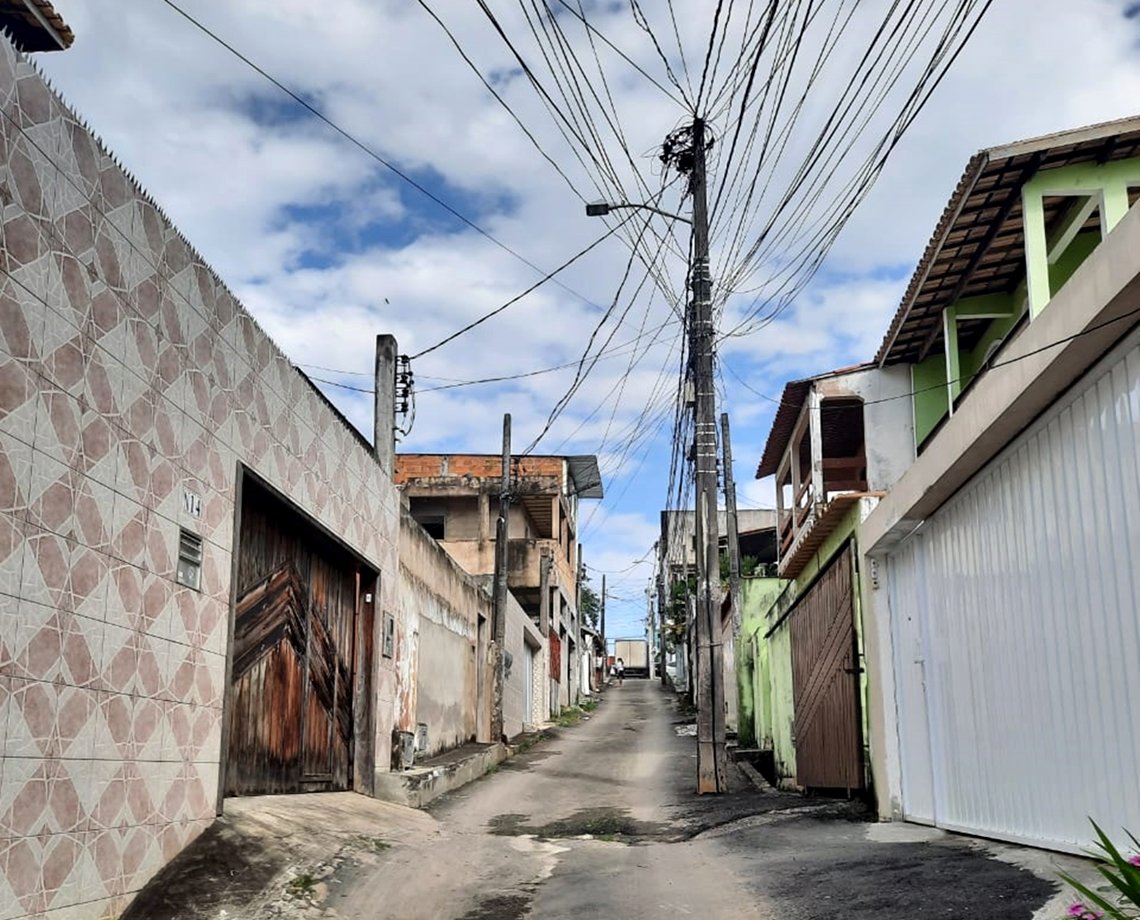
pixel 731 527
pixel 712 764
pixel 499 615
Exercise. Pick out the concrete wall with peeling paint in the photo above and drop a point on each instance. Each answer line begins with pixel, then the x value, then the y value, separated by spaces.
pixel 437 649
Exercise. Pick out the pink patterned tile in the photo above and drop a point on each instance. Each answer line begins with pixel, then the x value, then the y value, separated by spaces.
pixel 153 676
pixel 118 662
pixel 33 638
pixel 112 743
pixel 21 862
pixel 81 649
pixel 97 436
pixel 212 634
pixel 140 802
pixel 161 553
pixel 50 720
pixel 164 497
pixel 21 323
pixel 193 733
pixel 12 548
pixel 47 568
pixel 167 431
pixel 18 404
pixel 94 514
pixel 63 361
pixel 51 499
pixel 130 524
pixel 89 582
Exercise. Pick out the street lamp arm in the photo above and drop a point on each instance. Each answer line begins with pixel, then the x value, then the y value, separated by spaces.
pixel 602 208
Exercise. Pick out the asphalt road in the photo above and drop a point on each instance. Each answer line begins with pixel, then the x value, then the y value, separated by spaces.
pixel 602 821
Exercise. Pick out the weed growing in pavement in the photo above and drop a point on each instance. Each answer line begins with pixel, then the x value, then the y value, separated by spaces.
pixel 376 844
pixel 568 717
pixel 1120 898
pixel 589 705
pixel 301 884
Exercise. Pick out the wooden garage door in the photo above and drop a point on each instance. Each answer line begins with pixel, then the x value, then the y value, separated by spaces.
pixel 825 682
pixel 295 625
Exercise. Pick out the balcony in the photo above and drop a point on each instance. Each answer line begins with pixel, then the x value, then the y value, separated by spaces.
pixel 822 474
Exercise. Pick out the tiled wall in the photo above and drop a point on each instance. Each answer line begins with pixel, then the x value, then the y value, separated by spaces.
pixel 128 376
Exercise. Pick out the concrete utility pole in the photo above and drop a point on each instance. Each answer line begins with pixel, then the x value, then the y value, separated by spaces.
pixel 731 526
pixel 661 603
pixel 499 616
pixel 602 621
pixel 712 764
pixel 384 405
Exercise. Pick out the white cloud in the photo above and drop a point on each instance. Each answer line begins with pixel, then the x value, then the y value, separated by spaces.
pixel 328 248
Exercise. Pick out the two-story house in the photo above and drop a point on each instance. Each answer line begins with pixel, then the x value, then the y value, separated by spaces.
pixel 993 553
pixel 838 442
pixel 1003 611
pixel 455 497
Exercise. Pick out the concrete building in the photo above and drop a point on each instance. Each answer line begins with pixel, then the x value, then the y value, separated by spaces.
pixel 838 442
pixel 455 498
pixel 976 604
pixel 1001 607
pixel 198 554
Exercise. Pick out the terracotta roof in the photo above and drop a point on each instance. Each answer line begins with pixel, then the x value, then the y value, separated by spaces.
pixel 977 247
pixel 35 25
pixel 791 402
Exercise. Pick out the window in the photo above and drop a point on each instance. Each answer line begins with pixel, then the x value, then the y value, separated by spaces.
pixel 433 524
pixel 189 560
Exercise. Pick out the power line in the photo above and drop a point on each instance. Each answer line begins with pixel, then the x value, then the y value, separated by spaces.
pixel 541 281
pixel 965 378
pixel 359 144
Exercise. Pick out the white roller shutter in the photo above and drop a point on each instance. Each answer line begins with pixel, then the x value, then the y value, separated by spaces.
pixel 1015 613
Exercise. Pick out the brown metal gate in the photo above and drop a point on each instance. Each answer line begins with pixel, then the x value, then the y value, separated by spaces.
pixel 825 682
pixel 295 658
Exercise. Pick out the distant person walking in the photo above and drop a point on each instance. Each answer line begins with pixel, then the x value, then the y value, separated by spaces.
pixel 619 670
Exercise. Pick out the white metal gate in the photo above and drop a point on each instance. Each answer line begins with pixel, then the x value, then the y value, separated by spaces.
pixel 1015 613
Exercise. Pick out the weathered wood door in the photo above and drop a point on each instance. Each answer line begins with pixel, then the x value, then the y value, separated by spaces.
pixel 825 682
pixel 294 655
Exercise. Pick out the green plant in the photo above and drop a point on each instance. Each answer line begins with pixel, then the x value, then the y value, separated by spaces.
pixel 1120 898
pixel 301 884
pixel 589 705
pixel 377 844
pixel 572 715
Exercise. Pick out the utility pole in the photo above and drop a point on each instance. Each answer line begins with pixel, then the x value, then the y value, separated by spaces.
pixel 712 764
pixel 499 615
pixel 661 604
pixel 605 651
pixel 731 526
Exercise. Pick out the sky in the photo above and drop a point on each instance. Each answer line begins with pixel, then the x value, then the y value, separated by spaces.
pixel 327 246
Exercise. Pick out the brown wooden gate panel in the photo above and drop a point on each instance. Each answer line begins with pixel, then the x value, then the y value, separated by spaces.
pixel 295 657
pixel 825 682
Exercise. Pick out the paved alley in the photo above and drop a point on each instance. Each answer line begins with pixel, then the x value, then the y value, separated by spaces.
pixel 599 820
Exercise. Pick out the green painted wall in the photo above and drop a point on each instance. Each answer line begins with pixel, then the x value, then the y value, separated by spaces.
pixel 930 399
pixel 1079 250
pixel 764 662
pixel 759 709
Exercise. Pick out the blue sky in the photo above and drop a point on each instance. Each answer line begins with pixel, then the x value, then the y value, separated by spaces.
pixel 327 248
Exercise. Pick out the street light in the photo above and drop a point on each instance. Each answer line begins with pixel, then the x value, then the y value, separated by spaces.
pixel 602 208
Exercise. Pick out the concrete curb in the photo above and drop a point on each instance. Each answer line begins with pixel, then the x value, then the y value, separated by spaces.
pixel 420 785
